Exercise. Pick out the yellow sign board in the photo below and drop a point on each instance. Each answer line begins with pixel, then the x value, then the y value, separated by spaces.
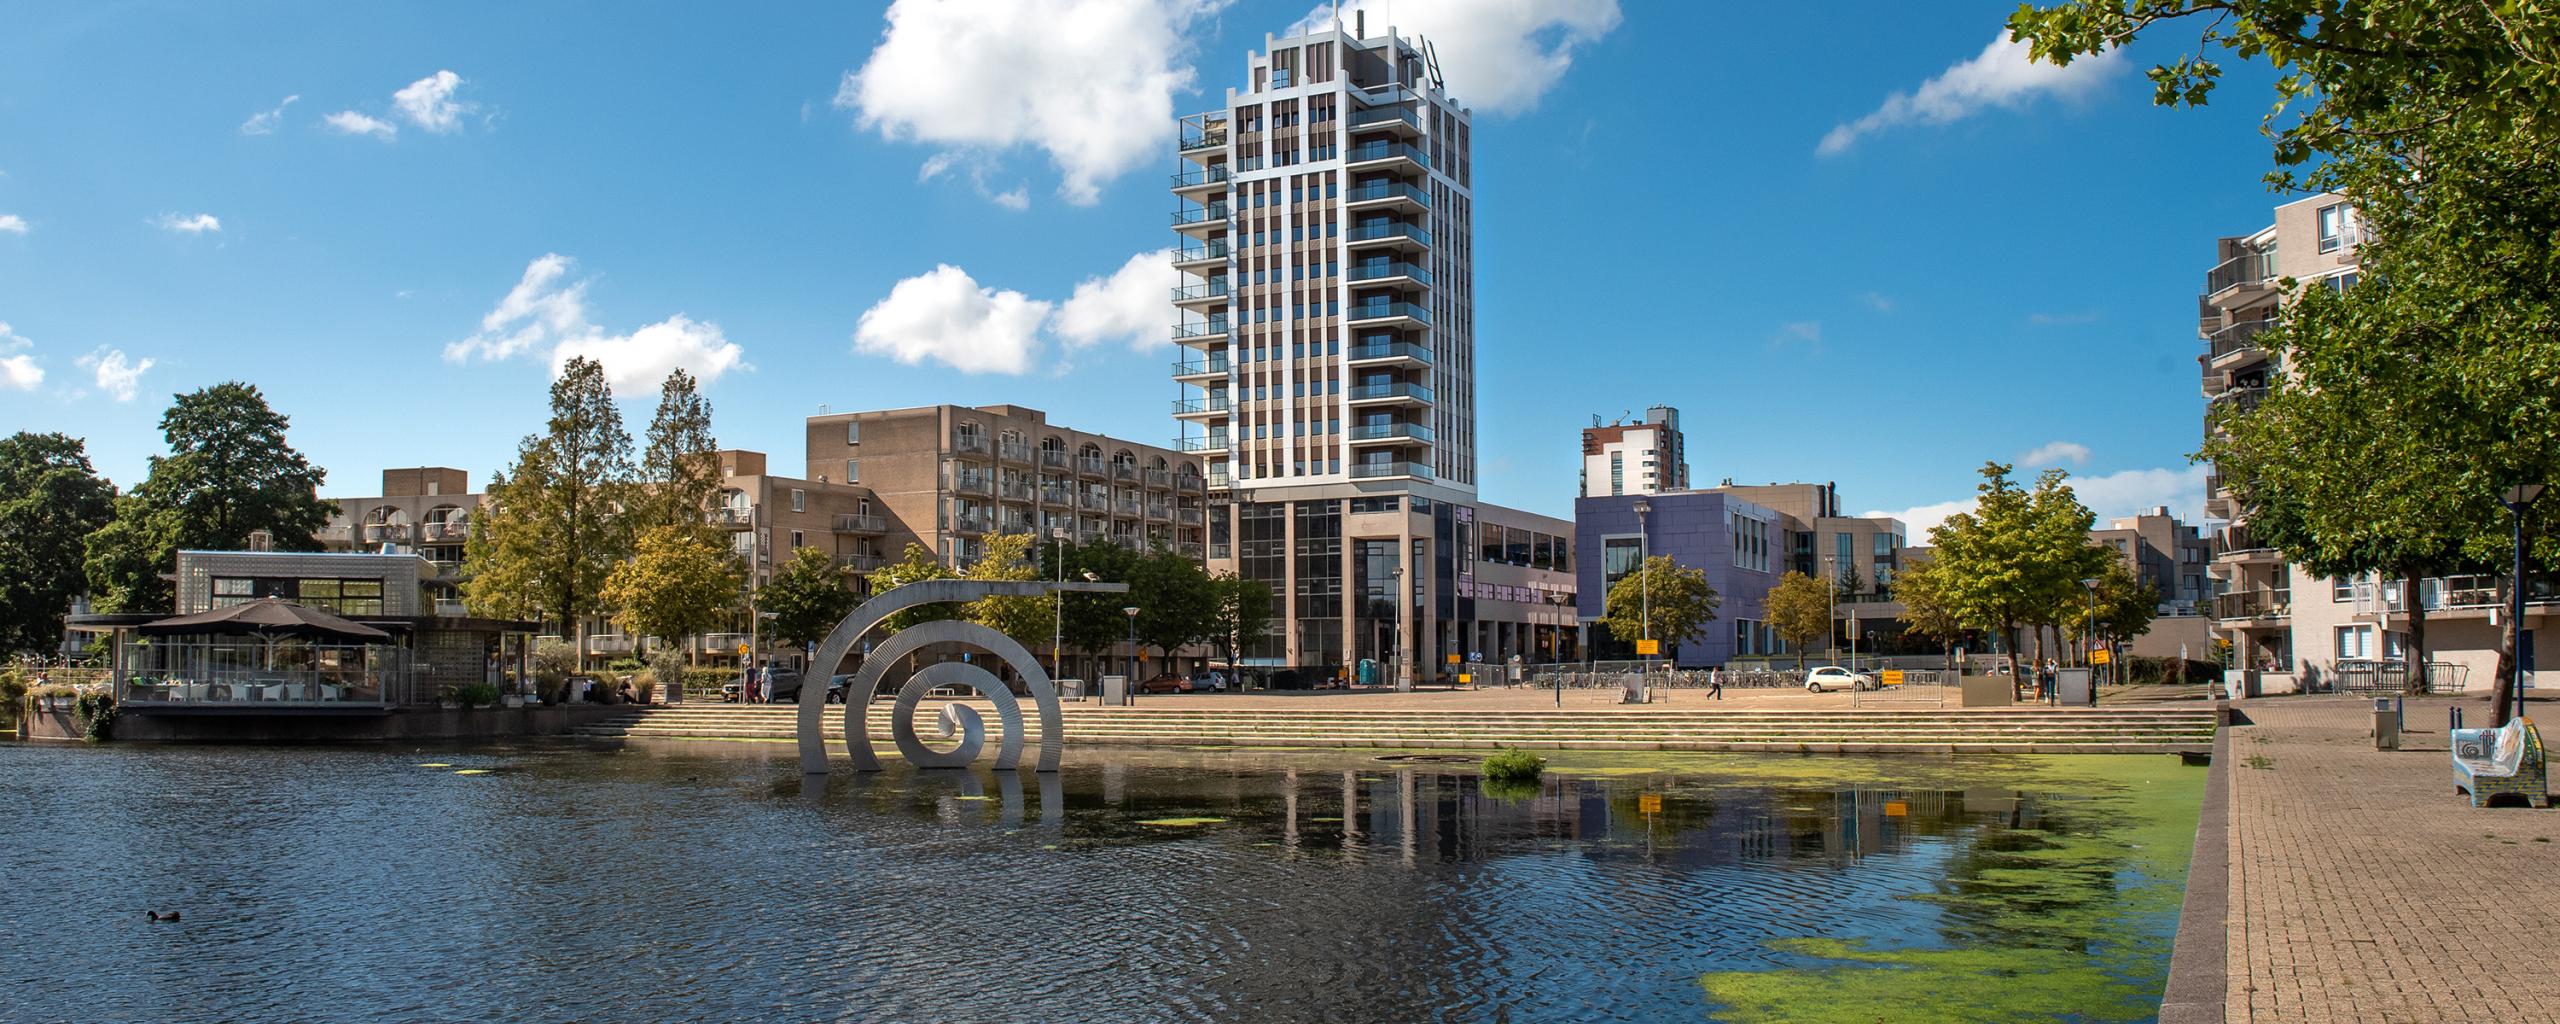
pixel 1453 657
pixel 742 650
pixel 1652 647
pixel 1893 677
pixel 1897 809
pixel 2100 656
pixel 1465 678
pixel 1649 803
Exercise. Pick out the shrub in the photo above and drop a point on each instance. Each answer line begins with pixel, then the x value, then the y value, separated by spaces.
pixel 1513 767
pixel 624 665
pixel 94 713
pixel 553 659
pixel 707 680
pixel 478 695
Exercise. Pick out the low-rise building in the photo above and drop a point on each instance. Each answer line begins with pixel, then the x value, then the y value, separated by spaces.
pixel 1744 537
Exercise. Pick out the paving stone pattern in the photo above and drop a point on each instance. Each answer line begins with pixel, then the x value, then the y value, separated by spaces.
pixel 2363 889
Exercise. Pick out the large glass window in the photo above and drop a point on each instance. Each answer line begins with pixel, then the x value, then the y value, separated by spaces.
pixel 1619 557
pixel 2333 227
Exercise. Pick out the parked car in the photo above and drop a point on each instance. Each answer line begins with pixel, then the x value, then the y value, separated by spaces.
pixel 835 688
pixel 782 688
pixel 1167 683
pixel 1833 677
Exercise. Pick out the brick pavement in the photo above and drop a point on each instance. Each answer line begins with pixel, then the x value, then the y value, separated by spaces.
pixel 2363 889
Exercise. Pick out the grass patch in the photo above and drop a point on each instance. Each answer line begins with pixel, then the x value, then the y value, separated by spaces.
pixel 1513 767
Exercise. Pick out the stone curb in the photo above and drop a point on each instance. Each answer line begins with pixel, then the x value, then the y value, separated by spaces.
pixel 2198 982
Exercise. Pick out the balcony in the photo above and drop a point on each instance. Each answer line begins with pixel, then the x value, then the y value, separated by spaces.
pixel 2254 604
pixel 1214 442
pixel 1202 256
pixel 1014 489
pixel 1377 470
pixel 335 533
pixel 1127 471
pixel 1219 480
pixel 386 533
pixel 979 484
pixel 1371 433
pixel 859 562
pixel 1091 535
pixel 1187 516
pixel 1157 479
pixel 1387 270
pixel 1394 155
pixel 1059 497
pixel 1190 483
pixel 2234 340
pixel 1014 522
pixel 1190 549
pixel 2244 400
pixel 1214 366
pixel 1394 119
pixel 2241 276
pixel 971 523
pixel 1403 314
pixel 1213 215
pixel 972 444
pixel 731 517
pixel 859 523
pixel 1091 465
pixel 1014 451
pixel 1395 392
pixel 1391 353
pixel 1092 501
pixel 1126 505
pixel 1209 177
pixel 611 643
pixel 446 569
pixel 1391 235
pixel 721 643
pixel 1212 329
pixel 1053 458
pixel 1213 405
pixel 1202 140
pixel 1395 196
pixel 452 532
pixel 1209 292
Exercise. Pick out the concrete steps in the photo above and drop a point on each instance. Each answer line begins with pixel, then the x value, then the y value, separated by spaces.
pixel 1843 731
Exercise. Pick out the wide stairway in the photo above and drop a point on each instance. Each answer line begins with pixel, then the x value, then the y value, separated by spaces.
pixel 1917 731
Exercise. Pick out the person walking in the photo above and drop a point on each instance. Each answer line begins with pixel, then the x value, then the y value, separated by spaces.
pixel 1715 683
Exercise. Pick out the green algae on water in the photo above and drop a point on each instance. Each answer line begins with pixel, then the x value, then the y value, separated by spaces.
pixel 1182 822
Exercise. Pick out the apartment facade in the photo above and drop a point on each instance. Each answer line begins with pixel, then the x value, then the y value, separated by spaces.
pixel 1326 315
pixel 948 477
pixel 1645 457
pixel 424 511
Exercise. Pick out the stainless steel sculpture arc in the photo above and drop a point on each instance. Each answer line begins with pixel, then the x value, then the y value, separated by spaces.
pixel 948 631
pixel 841 641
pixel 958 718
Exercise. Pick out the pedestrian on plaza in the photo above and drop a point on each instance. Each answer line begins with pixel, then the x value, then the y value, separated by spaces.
pixel 1715 683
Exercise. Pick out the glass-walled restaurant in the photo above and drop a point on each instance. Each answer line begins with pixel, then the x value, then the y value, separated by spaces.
pixel 308 631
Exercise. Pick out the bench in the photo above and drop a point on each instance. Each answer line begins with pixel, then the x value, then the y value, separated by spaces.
pixel 2503 762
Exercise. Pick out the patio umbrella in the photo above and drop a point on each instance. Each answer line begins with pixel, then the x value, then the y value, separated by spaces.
pixel 268 617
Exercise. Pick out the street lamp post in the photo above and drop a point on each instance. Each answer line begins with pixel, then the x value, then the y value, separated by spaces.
pixel 2517 499
pixel 2089 638
pixel 1831 608
pixel 1058 603
pixel 1132 612
pixel 1644 580
pixel 1404 603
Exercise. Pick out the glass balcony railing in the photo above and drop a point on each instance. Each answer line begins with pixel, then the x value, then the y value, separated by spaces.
pixel 2253 604
pixel 1383 310
pixel 1395 390
pixel 1197 253
pixel 857 523
pixel 1367 193
pixel 973 443
pixel 1209 139
pixel 1203 176
pixel 1369 470
pixel 1214 289
pixel 1390 350
pixel 1374 270
pixel 1200 215
pixel 1209 328
pixel 1387 151
pixel 2237 337
pixel 2246 269
pixel 1200 367
pixel 1383 431
pixel 1383 115
pixel 1211 443
pixel 1213 403
pixel 1373 232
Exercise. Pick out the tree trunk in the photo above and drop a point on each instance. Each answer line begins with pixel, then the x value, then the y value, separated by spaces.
pixel 2412 595
pixel 2504 707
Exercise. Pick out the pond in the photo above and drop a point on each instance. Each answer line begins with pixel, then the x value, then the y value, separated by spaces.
pixel 711 882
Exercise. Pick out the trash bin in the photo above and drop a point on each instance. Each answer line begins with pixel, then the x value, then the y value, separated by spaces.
pixel 2386 724
pixel 1071 689
pixel 1115 691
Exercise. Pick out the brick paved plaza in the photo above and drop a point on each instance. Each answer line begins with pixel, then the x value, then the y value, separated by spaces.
pixel 2363 889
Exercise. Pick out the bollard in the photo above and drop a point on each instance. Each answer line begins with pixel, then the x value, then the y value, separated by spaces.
pixel 2455 722
pixel 2386 725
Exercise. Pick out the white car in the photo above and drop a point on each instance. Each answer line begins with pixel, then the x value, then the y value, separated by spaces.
pixel 1833 677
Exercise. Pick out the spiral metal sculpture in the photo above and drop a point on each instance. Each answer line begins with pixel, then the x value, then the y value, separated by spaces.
pixel 955 719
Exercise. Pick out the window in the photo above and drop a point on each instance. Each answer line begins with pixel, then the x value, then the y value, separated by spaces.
pixel 797 542
pixel 2342 589
pixel 799 502
pixel 853 432
pixel 2333 227
pixel 1619 557
pixel 852 471
pixel 1884 545
pixel 2355 643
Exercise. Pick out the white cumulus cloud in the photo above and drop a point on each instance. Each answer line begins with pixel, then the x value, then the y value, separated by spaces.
pixel 1130 306
pixel 18 369
pixel 264 122
pixel 349 122
pixel 13 224
pixel 1497 55
pixel 198 224
pixel 117 375
pixel 1090 83
pixel 429 103
pixel 546 312
pixel 945 316
pixel 2002 75
pixel 2055 453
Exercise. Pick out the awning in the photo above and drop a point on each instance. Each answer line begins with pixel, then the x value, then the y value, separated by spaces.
pixel 265 617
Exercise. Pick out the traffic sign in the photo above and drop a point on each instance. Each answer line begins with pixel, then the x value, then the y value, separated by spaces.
pixel 2099 656
pixel 1650 647
pixel 1893 677
pixel 1649 803
pixel 1453 657
pixel 742 650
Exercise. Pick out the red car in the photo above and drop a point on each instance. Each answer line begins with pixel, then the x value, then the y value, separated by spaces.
pixel 1166 684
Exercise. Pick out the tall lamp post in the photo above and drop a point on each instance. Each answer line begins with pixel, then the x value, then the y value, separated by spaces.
pixel 1644 580
pixel 1404 603
pixel 1132 612
pixel 2517 499
pixel 1831 607
pixel 2089 638
pixel 1058 602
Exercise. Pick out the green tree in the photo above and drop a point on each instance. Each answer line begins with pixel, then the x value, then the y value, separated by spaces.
pixel 1681 600
pixel 2125 606
pixel 1244 613
pixel 1092 623
pixel 916 563
pixel 2017 558
pixel 1008 557
pixel 678 583
pixel 1177 602
pixel 556 527
pixel 2433 119
pixel 229 474
pixel 681 463
pixel 51 500
pixel 1927 610
pixel 808 597
pixel 1799 609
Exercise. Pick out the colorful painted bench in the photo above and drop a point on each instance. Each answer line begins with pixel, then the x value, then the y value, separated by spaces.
pixel 2505 761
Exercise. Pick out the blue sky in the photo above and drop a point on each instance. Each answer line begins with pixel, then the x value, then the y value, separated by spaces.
pixel 2000 260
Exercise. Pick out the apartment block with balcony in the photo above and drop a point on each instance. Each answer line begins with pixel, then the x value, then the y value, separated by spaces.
pixel 2312 243
pixel 424 511
pixel 1648 456
pixel 948 477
